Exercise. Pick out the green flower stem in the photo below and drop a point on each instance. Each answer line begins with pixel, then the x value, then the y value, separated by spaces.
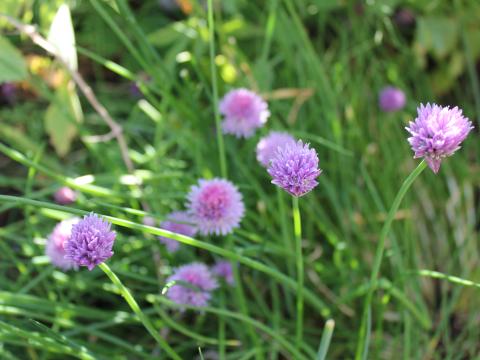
pixel 221 146
pixel 363 339
pixel 136 309
pixel 287 239
pixel 297 230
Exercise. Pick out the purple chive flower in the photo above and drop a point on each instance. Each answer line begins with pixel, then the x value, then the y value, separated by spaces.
pixel 391 99
pixel 437 133
pixel 295 168
pixel 65 196
pixel 201 282
pixel 91 242
pixel 179 222
pixel 268 145
pixel 244 112
pixel 223 269
pixel 55 248
pixel 216 206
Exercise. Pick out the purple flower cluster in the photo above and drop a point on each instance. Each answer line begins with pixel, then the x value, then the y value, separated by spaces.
pixel 244 112
pixel 391 99
pixel 294 168
pixel 223 270
pixel 216 206
pixel 437 133
pixel 91 242
pixel 55 248
pixel 65 196
pixel 199 283
pixel 179 222
pixel 268 146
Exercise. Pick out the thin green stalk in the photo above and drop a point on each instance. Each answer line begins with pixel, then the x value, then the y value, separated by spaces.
pixel 136 309
pixel 363 339
pixel 450 278
pixel 270 29
pixel 310 296
pixel 326 338
pixel 221 329
pixel 32 171
pixel 407 341
pixel 297 229
pixel 287 240
pixel 221 146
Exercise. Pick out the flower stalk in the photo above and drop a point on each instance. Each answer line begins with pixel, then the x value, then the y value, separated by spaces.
pixel 363 340
pixel 297 230
pixel 126 294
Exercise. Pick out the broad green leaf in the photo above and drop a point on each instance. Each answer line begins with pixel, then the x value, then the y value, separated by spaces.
pixel 12 64
pixel 62 35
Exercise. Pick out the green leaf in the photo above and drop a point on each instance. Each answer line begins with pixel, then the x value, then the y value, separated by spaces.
pixel 12 64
